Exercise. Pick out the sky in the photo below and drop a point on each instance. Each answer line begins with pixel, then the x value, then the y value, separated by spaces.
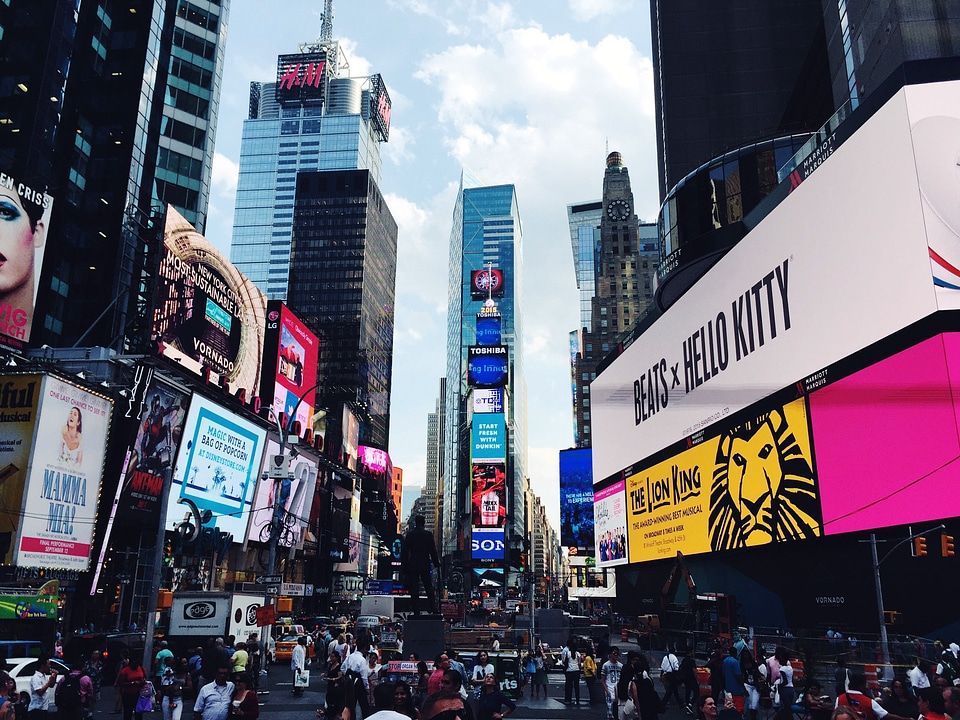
pixel 533 93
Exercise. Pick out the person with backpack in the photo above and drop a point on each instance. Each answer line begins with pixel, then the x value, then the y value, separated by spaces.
pixel 73 694
pixel 670 677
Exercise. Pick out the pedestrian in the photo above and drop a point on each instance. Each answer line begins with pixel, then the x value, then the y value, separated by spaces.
pixel 590 676
pixel 130 681
pixel 213 700
pixel 160 660
pixel 356 670
pixel 41 682
pixel 481 668
pixel 403 701
pixel 298 663
pixel 117 692
pixel 440 663
pixel 610 673
pixel 570 661
pixel 243 700
pixel 335 685
pixel 688 677
pixel 73 694
pixel 240 658
pixel 94 670
pixel 491 700
pixel 255 653
pixel 733 681
pixel 539 673
pixel 176 690
pixel 670 677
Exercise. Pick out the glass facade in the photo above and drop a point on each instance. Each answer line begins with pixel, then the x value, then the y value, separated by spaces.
pixel 486 232
pixel 584 223
pixel 343 261
pixel 277 143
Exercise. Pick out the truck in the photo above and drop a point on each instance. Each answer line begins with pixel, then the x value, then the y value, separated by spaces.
pixel 377 605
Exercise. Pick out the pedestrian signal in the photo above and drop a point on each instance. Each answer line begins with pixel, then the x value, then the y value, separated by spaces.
pixel 919 546
pixel 946 545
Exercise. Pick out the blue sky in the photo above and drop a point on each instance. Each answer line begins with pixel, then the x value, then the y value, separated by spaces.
pixel 532 93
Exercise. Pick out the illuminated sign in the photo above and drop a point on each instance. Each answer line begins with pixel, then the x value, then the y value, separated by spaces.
pixel 291 494
pixel 374 458
pixel 289 366
pixel 489 499
pixel 208 317
pixel 576 499
pixel 486 283
pixel 488 329
pixel 488 401
pixel 487 544
pixel 487 366
pixel 380 107
pixel 300 78
pixel 26 211
pixel 610 525
pixel 489 438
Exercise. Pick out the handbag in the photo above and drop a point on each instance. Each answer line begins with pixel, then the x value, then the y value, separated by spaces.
pixel 301 679
pixel 145 701
pixel 775 695
pixel 628 711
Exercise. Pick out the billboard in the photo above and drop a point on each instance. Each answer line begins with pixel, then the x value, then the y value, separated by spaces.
pixel 487 543
pixel 19 400
pixel 26 213
pixel 750 485
pixel 63 478
pixel 486 283
pixel 294 494
pixel 488 329
pixel 780 305
pixel 489 438
pixel 576 500
pixel 289 366
pixel 380 107
pixel 488 401
pixel 489 495
pixel 149 460
pixel 208 316
pixel 217 466
pixel 199 613
pixel 300 78
pixel 487 366
pixel 610 525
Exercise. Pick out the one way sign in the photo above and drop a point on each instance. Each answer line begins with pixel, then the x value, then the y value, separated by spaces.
pixel 269 579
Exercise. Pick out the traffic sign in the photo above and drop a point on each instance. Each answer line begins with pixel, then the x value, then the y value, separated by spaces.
pixel 269 579
pixel 273 589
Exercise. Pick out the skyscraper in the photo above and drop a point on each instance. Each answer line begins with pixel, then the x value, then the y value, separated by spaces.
pixel 432 494
pixel 111 109
pixel 343 280
pixel 485 280
pixel 309 119
pixel 615 259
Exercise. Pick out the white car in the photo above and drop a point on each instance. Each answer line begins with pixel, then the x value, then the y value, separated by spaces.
pixel 22 669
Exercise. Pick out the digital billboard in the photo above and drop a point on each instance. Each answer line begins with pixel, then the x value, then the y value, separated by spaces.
pixel 63 478
pixel 149 460
pixel 207 314
pixel 19 400
pixel 217 467
pixel 610 524
pixel 780 304
pixel 289 366
pixel 489 495
pixel 488 329
pixel 380 107
pixel 576 500
pixel 487 366
pixel 294 494
pixel 489 438
pixel 301 78
pixel 26 212
pixel 487 544
pixel 489 401
pixel 486 284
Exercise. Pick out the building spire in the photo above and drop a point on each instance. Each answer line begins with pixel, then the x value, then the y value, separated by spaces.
pixel 326 22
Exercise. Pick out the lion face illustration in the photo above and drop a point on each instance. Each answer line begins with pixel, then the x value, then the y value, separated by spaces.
pixel 763 488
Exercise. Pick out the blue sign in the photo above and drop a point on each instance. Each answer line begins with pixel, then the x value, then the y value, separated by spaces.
pixel 576 499
pixel 487 544
pixel 487 366
pixel 489 438
pixel 379 587
pixel 488 330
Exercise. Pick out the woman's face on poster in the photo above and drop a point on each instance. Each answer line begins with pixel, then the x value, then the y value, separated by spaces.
pixel 17 242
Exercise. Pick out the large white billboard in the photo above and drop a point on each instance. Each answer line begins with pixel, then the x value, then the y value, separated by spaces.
pixel 217 467
pixel 840 264
pixel 294 493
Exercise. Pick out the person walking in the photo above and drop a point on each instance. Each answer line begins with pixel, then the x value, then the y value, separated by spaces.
pixel 130 681
pixel 539 674
pixel 213 700
pixel 669 676
pixel 570 662
pixel 610 673
pixel 298 663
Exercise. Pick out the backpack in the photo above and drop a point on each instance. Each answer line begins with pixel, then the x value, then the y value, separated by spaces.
pixel 67 694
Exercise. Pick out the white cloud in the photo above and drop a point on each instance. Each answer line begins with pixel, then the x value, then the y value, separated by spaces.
pixel 224 175
pixel 586 10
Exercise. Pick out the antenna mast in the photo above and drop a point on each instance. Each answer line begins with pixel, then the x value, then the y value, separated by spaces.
pixel 326 22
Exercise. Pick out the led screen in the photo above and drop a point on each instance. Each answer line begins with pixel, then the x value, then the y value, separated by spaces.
pixel 487 366
pixel 489 495
pixel 576 500
pixel 610 525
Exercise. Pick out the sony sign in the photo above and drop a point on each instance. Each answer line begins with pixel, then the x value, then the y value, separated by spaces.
pixel 487 544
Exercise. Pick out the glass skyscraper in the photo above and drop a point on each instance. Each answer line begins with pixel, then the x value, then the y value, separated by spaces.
pixel 338 127
pixel 486 233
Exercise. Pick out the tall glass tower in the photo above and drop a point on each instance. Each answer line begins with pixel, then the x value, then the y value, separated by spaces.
pixel 486 236
pixel 310 119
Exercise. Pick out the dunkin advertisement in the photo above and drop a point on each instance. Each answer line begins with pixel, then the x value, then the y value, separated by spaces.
pixel 63 479
pixel 208 317
pixel 26 212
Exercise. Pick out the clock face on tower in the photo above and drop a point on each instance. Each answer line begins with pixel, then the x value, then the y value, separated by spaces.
pixel 618 209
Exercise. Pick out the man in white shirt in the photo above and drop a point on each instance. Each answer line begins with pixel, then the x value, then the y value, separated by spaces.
pixel 298 662
pixel 610 674
pixel 356 669
pixel 917 676
pixel 213 700
pixel 41 682
pixel 670 676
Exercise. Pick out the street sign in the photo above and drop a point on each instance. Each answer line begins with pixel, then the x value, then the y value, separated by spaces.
pixel 269 579
pixel 266 615
pixel 297 589
pixel 273 589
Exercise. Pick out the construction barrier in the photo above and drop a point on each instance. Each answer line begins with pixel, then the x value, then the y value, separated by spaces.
pixel 703 680
pixel 873 682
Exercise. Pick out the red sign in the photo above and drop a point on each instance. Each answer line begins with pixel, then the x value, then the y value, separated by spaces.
pixel 266 615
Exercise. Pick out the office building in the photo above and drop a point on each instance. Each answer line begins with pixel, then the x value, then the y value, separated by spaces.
pixel 485 281
pixel 112 110
pixel 430 503
pixel 343 281
pixel 310 119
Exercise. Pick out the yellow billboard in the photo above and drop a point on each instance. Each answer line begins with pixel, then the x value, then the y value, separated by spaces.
pixel 750 485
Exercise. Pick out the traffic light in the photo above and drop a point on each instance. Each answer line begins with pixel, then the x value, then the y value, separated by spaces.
pixel 946 545
pixel 167 553
pixel 523 561
pixel 919 546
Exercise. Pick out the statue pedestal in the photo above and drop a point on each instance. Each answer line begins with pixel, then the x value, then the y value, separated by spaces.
pixel 423 635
